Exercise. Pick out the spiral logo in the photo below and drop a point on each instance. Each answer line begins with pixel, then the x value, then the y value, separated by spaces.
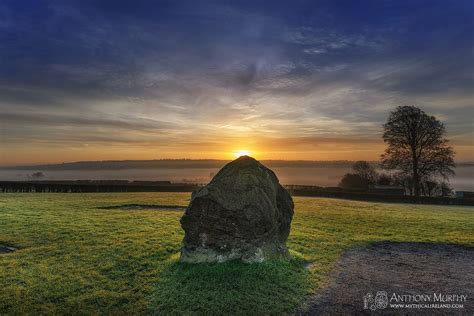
pixel 379 301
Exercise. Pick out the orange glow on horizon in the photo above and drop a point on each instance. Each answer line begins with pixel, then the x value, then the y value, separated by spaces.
pixel 226 148
pixel 241 153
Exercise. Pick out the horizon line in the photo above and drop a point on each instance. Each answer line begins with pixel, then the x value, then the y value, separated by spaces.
pixel 39 164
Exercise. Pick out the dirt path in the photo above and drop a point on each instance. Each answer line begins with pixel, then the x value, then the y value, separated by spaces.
pixel 407 270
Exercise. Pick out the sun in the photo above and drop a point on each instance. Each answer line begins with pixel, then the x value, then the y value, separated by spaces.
pixel 241 153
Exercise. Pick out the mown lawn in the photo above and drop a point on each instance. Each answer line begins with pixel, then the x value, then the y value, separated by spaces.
pixel 74 258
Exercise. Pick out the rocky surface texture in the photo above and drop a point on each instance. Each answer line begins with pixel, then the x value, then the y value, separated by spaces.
pixel 243 213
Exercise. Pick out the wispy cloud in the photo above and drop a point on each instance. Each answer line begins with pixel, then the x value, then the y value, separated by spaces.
pixel 167 76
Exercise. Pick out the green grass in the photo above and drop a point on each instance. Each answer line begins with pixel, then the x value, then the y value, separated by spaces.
pixel 77 259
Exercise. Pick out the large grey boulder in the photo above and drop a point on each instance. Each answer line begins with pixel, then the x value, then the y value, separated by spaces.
pixel 243 213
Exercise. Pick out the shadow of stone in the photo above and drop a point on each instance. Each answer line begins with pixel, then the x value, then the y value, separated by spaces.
pixel 272 287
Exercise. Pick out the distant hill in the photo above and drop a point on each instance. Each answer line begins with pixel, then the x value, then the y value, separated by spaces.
pixel 184 164
pixel 173 164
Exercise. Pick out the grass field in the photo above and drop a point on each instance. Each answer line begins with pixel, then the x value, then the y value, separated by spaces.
pixel 75 258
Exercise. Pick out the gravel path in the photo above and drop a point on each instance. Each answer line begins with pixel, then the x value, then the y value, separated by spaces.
pixel 407 270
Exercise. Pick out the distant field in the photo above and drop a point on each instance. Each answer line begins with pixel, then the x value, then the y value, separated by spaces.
pixel 75 258
pixel 319 174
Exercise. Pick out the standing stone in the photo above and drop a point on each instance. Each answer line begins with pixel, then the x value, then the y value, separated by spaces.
pixel 243 213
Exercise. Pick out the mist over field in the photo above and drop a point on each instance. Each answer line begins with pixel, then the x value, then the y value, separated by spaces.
pixel 201 171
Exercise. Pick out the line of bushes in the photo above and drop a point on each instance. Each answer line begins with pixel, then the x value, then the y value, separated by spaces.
pixel 360 195
pixel 143 186
pixel 89 187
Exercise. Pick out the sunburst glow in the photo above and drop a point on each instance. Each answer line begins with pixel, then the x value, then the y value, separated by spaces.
pixel 241 153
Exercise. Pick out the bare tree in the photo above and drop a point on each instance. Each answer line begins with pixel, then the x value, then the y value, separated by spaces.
pixel 430 187
pixel 433 187
pixel 385 179
pixel 366 171
pixel 363 175
pixel 404 181
pixel 417 146
pixel 353 181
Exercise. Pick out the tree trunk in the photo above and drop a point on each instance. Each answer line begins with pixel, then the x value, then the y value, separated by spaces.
pixel 416 182
pixel 416 177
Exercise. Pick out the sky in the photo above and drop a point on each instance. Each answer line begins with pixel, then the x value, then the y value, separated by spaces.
pixel 309 80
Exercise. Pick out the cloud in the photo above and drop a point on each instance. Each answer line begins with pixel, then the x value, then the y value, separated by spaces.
pixel 74 121
pixel 322 40
pixel 314 51
pixel 85 72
